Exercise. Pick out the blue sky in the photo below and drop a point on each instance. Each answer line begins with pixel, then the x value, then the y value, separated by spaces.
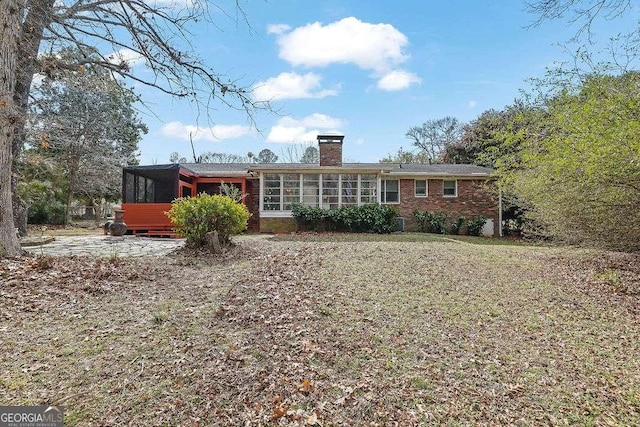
pixel 369 70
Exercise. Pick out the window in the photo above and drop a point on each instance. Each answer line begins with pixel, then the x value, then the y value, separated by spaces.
pixel 349 187
pixel 330 191
pixel 368 189
pixel 272 188
pixel 311 190
pixel 291 190
pixel 449 188
pixel 421 188
pixel 390 192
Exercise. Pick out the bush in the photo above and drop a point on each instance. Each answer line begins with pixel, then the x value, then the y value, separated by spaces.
pixel 44 203
pixel 422 218
pixel 194 217
pixel 370 218
pixel 475 224
pixel 308 217
pixel 431 222
pixel 456 226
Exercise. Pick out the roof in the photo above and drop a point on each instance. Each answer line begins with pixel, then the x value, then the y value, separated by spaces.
pixel 247 169
pixel 440 169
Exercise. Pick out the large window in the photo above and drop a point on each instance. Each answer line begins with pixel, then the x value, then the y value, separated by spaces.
pixel 272 192
pixel 329 191
pixel 311 189
pixel 450 188
pixel 150 186
pixel 368 189
pixel 349 188
pixel 290 190
pixel 390 191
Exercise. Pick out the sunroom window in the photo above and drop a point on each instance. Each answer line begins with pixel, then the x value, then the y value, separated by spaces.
pixel 328 191
pixel 272 192
pixel 291 190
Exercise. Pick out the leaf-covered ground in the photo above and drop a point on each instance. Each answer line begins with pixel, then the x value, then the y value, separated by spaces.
pixel 308 331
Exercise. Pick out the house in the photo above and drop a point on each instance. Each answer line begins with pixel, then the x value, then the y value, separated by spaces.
pixel 272 188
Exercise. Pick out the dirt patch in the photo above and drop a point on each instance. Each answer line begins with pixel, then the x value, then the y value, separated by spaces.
pixel 298 332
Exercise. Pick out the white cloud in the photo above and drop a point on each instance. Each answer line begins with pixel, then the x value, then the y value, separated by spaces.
pixel 291 86
pixel 289 130
pixel 173 4
pixel 397 80
pixel 216 133
pixel 377 47
pixel 278 28
pixel 129 56
pixel 471 104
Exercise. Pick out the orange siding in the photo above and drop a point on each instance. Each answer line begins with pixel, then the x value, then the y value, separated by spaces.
pixel 146 216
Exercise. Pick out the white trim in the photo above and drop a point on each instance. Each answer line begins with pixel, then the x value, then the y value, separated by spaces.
pixel 276 214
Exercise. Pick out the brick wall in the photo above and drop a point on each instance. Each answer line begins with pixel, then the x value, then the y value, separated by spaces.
pixel 330 153
pixel 475 197
pixel 253 204
pixel 278 225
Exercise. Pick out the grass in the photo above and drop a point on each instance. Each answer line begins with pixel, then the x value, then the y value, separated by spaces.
pixel 405 329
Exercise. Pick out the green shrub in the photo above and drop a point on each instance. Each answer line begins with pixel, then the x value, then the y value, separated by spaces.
pixel 194 217
pixel 308 217
pixel 371 218
pixel 431 222
pixel 45 203
pixel 437 223
pixel 456 226
pixel 475 224
pixel 422 218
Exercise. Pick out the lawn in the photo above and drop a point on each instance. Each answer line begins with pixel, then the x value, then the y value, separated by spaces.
pixel 345 330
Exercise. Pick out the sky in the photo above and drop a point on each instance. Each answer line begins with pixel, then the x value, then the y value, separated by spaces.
pixel 369 70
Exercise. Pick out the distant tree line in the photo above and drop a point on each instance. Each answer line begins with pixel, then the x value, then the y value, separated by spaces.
pixel 300 153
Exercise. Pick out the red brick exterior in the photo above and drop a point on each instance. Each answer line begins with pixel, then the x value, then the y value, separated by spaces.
pixel 474 197
pixel 253 204
pixel 330 153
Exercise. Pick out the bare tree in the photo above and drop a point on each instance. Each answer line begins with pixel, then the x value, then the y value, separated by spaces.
pixel 624 45
pixel 300 153
pixel 211 157
pixel 434 135
pixel 122 29
pixel 582 12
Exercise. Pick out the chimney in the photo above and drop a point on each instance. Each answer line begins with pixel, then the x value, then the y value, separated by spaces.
pixel 330 147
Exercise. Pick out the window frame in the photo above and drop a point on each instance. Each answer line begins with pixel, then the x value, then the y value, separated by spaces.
pixel 426 188
pixel 455 188
pixel 384 192
pixel 358 192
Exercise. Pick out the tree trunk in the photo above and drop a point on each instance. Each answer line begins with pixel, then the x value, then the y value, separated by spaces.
pixel 10 21
pixel 31 31
pixel 213 242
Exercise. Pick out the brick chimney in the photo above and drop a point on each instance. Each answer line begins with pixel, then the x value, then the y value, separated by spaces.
pixel 330 147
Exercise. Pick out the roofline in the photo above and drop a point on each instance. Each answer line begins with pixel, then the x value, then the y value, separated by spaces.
pixel 465 175
pixel 322 169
